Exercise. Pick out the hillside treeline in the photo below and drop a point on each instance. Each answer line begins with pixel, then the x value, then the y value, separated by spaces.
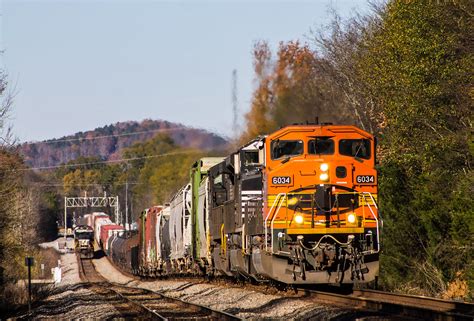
pixel 108 142
pixel 404 73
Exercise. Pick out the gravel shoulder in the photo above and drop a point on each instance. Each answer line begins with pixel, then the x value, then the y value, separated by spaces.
pixel 71 298
pixel 110 272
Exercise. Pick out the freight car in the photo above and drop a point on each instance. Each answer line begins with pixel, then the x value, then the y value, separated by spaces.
pixel 297 206
pixel 123 251
pixel 154 246
pixel 106 231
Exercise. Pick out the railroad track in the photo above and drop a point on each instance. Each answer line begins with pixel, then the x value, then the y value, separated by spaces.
pixel 379 302
pixel 143 303
pixel 400 305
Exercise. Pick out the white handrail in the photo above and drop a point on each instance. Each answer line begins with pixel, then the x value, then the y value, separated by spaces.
pixel 266 219
pixel 279 202
pixel 375 216
pixel 274 217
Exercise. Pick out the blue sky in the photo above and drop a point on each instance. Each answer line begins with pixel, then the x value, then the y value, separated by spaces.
pixel 78 65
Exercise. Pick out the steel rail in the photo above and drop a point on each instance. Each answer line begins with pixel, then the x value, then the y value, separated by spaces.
pixel 220 315
pixel 88 273
pixel 154 313
pixel 434 304
pixel 386 303
pixel 101 282
pixel 400 305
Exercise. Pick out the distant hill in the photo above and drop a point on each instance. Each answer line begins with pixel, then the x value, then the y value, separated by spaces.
pixel 107 142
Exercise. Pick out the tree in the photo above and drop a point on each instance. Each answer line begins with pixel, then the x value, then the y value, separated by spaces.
pixel 18 210
pixel 160 170
pixel 343 45
pixel 292 89
pixel 417 68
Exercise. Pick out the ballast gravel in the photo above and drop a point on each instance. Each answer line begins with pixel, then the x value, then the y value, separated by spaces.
pixel 75 303
pixel 237 300
pixel 72 300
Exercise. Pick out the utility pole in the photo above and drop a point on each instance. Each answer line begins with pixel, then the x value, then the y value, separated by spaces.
pixel 125 169
pixel 235 126
pixel 65 219
pixel 126 204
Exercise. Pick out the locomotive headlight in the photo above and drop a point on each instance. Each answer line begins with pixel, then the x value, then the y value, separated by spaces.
pixel 299 219
pixel 324 167
pixel 324 177
pixel 351 218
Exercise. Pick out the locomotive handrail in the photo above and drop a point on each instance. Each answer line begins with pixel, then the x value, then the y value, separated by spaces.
pixel 266 220
pixel 375 216
pixel 274 217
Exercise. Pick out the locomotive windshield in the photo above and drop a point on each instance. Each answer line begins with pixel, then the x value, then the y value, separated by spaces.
pixel 355 147
pixel 85 236
pixel 282 148
pixel 321 146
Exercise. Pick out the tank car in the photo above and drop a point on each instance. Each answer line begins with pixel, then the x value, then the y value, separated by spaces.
pixel 123 251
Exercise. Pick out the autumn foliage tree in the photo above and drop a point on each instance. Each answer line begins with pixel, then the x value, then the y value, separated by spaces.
pixel 292 88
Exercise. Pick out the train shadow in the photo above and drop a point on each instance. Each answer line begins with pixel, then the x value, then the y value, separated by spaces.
pixel 98 255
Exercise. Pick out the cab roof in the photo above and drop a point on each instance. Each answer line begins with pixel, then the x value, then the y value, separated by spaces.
pixel 320 130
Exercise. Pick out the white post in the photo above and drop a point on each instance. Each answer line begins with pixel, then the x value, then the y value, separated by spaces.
pixel 65 218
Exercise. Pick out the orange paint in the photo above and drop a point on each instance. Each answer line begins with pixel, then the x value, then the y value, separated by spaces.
pixel 296 176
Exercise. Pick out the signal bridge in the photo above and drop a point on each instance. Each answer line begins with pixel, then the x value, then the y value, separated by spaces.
pixel 91 202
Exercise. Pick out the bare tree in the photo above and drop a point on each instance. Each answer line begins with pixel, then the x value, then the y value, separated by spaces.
pixel 6 99
pixel 343 45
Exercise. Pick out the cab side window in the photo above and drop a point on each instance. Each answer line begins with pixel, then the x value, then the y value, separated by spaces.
pixel 251 158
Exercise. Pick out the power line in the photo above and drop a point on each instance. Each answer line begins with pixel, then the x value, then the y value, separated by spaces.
pixel 105 136
pixel 89 184
pixel 99 162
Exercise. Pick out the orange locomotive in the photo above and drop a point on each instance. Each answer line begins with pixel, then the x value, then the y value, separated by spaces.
pixel 307 197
